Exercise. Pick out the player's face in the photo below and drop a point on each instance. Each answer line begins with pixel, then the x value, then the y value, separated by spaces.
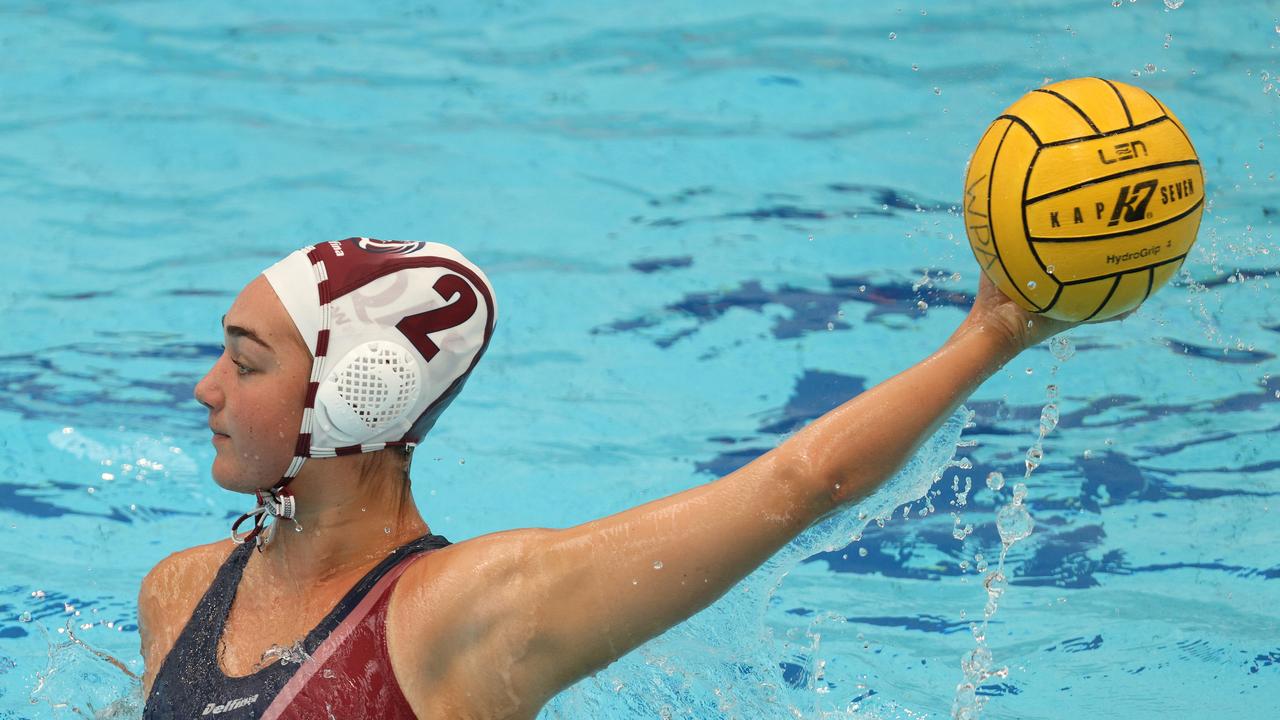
pixel 255 391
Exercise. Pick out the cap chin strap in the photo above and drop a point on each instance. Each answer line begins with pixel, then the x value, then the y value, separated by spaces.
pixel 276 502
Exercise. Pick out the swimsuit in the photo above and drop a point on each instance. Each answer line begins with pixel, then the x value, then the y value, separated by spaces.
pixel 344 670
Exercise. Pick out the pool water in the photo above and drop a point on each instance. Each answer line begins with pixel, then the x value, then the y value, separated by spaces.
pixel 707 224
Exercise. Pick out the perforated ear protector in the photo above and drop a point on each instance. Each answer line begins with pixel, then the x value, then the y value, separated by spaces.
pixel 370 391
pixel 406 321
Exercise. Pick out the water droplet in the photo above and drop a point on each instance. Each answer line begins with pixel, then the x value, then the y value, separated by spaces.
pixel 995 480
pixel 1172 5
pixel 1088 454
pixel 831 326
pixel 634 581
pixel 862 552
pixel 1034 455
pixel 1031 284
pixel 915 67
pixel 386 530
pixel 1150 68
pixel 893 36
pixel 937 91
pixel 462 461
pixel 1030 371
pixel 1061 348
pixel 922 305
pixel 24 617
pixel 1014 523
pixel 1019 492
pixel 1049 269
pixel 657 564
pixel 1048 419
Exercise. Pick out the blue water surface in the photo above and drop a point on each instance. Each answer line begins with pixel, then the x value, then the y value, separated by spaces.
pixel 707 224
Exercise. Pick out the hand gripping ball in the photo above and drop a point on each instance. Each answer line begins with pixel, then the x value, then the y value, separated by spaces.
pixel 1083 198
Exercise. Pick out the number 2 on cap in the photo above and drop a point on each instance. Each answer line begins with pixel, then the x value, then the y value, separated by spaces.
pixel 416 327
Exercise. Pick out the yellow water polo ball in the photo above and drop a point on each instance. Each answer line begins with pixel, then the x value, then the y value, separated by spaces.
pixel 1083 198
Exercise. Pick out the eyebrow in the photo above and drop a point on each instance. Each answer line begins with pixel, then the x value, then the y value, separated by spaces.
pixel 236 331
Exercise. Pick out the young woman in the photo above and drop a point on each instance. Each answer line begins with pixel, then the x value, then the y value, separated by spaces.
pixel 338 360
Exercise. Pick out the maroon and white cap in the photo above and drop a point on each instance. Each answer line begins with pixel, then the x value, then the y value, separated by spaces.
pixel 395 329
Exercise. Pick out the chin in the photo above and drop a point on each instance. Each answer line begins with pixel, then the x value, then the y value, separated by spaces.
pixel 234 479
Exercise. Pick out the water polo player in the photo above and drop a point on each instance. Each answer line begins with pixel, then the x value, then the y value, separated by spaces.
pixel 338 361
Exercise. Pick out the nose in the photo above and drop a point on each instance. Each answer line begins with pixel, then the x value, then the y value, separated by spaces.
pixel 206 391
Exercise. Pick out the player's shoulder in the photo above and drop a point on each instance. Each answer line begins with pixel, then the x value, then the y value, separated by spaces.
pixel 182 574
pixel 485 558
pixel 468 584
pixel 459 610
pixel 168 595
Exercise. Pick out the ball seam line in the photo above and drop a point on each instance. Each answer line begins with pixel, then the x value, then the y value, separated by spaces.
pixel 1025 126
pixel 1026 223
pixel 1106 299
pixel 1073 106
pixel 1158 166
pixel 995 157
pixel 1109 133
pixel 1119 97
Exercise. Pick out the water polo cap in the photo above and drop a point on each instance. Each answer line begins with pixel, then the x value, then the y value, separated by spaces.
pixel 395 329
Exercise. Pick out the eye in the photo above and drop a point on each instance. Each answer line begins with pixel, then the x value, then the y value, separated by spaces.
pixel 240 369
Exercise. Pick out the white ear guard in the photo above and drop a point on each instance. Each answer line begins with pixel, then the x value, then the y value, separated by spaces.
pixel 370 392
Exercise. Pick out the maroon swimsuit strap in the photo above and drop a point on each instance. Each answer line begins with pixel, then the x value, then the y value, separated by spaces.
pixel 349 675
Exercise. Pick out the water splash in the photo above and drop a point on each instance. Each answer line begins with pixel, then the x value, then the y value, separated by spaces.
pixel 83 681
pixel 293 654
pixel 1014 524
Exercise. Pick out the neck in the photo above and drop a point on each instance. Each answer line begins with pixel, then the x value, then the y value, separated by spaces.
pixel 344 524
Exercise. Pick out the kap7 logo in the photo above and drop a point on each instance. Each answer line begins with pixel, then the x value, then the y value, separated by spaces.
pixel 1130 205
pixel 1132 202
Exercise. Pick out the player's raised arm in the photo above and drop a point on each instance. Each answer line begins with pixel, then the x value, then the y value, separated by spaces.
pixel 593 591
